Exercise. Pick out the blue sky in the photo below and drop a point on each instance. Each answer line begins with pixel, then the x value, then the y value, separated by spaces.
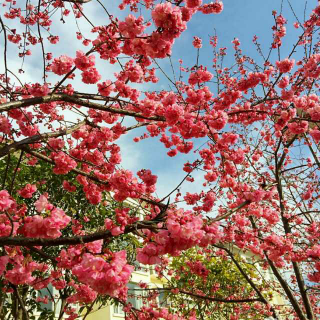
pixel 239 19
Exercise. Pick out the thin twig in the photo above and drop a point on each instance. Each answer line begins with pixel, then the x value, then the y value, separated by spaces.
pixel 15 172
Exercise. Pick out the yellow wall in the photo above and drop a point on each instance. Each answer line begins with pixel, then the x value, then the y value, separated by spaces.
pixel 106 313
pixel 102 314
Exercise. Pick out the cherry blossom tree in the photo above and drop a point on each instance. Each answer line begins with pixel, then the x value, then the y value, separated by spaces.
pixel 73 217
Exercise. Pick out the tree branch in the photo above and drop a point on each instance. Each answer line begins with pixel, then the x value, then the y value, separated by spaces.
pixel 42 254
pixel 47 159
pixel 283 283
pixel 74 99
pixel 31 242
pixel 39 137
pixel 287 229
pixel 252 284
pixel 203 297
pixel 226 215
pixel 5 52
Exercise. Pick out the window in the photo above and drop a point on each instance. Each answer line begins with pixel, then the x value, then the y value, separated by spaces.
pixel 135 297
pixel 163 299
pixel 118 309
pixel 47 292
pixel 140 268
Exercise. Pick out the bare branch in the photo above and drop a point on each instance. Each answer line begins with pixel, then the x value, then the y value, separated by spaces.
pixel 5 51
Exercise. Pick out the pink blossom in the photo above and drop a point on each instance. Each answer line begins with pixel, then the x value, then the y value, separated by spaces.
pixel 285 65
pixel 55 222
pixel 173 113
pixel 91 76
pixel 236 42
pixel 38 227
pixel 59 284
pixel 197 42
pixel 44 299
pixel 40 283
pixel 148 178
pixel 84 294
pixel 169 18
pixel 14 38
pixel 63 162
pixel 184 230
pixel 311 68
pixel 5 125
pixel 68 186
pixel 55 143
pixel 93 193
pixel 148 256
pixel 198 96
pixel 284 82
pixel 172 152
pixel 132 26
pixel 27 129
pixel 95 246
pixel 314 112
pixel 38 90
pixel 108 223
pixel 212 7
pixel 315 134
pixel 105 88
pixel 43 204
pixel 3 263
pixel 187 13
pixel 28 190
pixel 252 80
pixel 102 276
pixel 48 107
pixel 307 195
pixel 62 65
pixel 20 274
pixel 298 127
pixel 84 62
pixel 314 252
pixel 199 77
pixel 193 3
pixel 218 120
pixel 53 39
pixel 132 71
pixel 115 231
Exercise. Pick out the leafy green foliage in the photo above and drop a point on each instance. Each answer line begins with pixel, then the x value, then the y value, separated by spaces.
pixel 206 274
pixel 15 172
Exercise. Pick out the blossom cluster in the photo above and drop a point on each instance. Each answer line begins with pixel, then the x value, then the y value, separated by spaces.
pixel 184 230
pixel 105 275
pixel 49 226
